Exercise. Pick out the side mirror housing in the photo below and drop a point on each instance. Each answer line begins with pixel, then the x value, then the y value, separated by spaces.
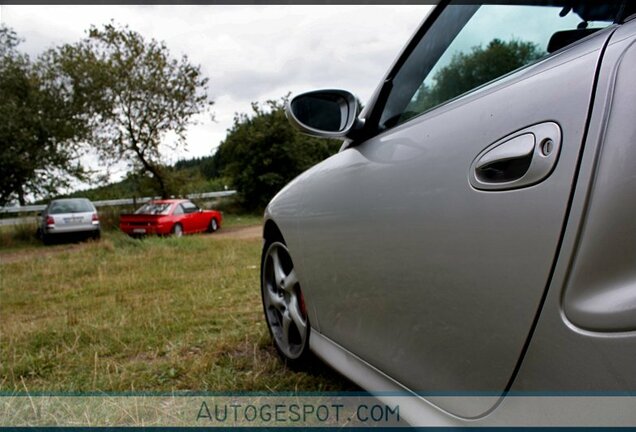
pixel 324 113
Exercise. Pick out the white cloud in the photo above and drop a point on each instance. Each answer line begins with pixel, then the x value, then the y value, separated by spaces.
pixel 250 53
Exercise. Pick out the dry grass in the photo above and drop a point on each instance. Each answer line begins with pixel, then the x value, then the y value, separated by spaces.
pixel 152 315
pixel 15 237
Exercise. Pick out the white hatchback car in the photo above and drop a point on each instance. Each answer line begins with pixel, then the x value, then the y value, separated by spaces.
pixel 69 217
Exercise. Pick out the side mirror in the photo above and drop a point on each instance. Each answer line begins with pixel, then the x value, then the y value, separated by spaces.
pixel 324 113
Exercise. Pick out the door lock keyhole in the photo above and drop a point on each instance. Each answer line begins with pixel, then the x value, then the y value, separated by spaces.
pixel 547 146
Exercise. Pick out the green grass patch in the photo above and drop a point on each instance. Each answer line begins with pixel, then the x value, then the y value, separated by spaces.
pixel 237 220
pixel 158 314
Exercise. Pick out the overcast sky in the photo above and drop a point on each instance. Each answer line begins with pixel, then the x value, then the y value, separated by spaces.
pixel 250 53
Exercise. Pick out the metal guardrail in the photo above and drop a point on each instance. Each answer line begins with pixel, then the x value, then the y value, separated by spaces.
pixel 117 202
pixel 25 209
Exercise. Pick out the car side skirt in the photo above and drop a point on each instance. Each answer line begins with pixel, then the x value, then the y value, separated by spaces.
pixel 517 410
pixel 414 409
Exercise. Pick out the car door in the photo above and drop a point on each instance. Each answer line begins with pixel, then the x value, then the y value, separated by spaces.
pixel 188 221
pixel 203 220
pixel 200 221
pixel 427 248
pixel 179 215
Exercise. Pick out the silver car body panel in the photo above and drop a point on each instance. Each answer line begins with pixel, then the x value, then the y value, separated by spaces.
pixel 426 284
pixel 591 346
pixel 601 292
pixel 72 222
pixel 519 410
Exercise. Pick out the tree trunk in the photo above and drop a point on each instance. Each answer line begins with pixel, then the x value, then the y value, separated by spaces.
pixel 154 170
pixel 162 184
pixel 156 174
pixel 21 199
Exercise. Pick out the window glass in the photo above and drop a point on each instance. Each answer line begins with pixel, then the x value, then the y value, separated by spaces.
pixel 470 45
pixel 189 207
pixel 153 208
pixel 71 206
pixel 178 210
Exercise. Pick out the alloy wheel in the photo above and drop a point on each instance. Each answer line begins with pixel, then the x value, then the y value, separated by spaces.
pixel 283 302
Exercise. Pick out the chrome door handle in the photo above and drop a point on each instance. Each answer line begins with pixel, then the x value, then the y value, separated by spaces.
pixel 518 160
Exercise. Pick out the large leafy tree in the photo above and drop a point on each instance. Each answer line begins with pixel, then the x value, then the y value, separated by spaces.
pixel 41 129
pixel 137 93
pixel 262 152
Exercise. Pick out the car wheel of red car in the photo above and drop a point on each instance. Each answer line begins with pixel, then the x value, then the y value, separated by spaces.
pixel 214 225
pixel 177 230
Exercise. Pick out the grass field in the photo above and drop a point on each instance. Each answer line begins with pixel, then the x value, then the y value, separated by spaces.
pixel 21 236
pixel 160 314
pixel 16 237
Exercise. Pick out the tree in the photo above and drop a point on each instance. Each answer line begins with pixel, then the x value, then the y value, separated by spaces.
pixel 41 130
pixel 262 152
pixel 137 93
pixel 467 71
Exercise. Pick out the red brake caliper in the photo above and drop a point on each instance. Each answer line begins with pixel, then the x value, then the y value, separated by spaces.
pixel 301 301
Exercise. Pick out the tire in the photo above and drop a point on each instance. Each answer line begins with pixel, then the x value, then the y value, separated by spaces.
pixel 46 239
pixel 177 230
pixel 96 235
pixel 214 225
pixel 284 306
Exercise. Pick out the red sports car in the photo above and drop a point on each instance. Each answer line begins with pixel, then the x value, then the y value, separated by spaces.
pixel 173 216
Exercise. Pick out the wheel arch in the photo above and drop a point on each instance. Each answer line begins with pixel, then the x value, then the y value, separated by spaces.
pixel 272 233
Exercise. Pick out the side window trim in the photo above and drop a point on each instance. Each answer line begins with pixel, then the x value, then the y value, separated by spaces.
pixel 425 54
pixel 372 122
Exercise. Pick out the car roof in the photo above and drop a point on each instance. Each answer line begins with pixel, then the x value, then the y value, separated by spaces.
pixel 69 199
pixel 168 201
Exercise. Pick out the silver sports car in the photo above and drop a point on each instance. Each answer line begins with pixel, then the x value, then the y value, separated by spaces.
pixel 476 232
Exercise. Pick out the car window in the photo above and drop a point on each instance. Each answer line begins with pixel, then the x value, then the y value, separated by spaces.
pixel 178 210
pixel 70 206
pixel 189 207
pixel 470 45
pixel 153 208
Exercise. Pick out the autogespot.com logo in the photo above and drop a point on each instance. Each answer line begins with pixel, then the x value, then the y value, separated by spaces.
pixel 297 413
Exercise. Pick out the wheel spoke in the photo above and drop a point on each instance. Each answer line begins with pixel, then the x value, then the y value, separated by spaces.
pixel 290 281
pixel 296 316
pixel 275 300
pixel 279 274
pixel 286 322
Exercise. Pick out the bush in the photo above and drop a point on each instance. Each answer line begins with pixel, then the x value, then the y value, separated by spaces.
pixel 109 216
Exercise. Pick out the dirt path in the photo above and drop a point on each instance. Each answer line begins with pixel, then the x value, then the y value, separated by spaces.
pixel 239 233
